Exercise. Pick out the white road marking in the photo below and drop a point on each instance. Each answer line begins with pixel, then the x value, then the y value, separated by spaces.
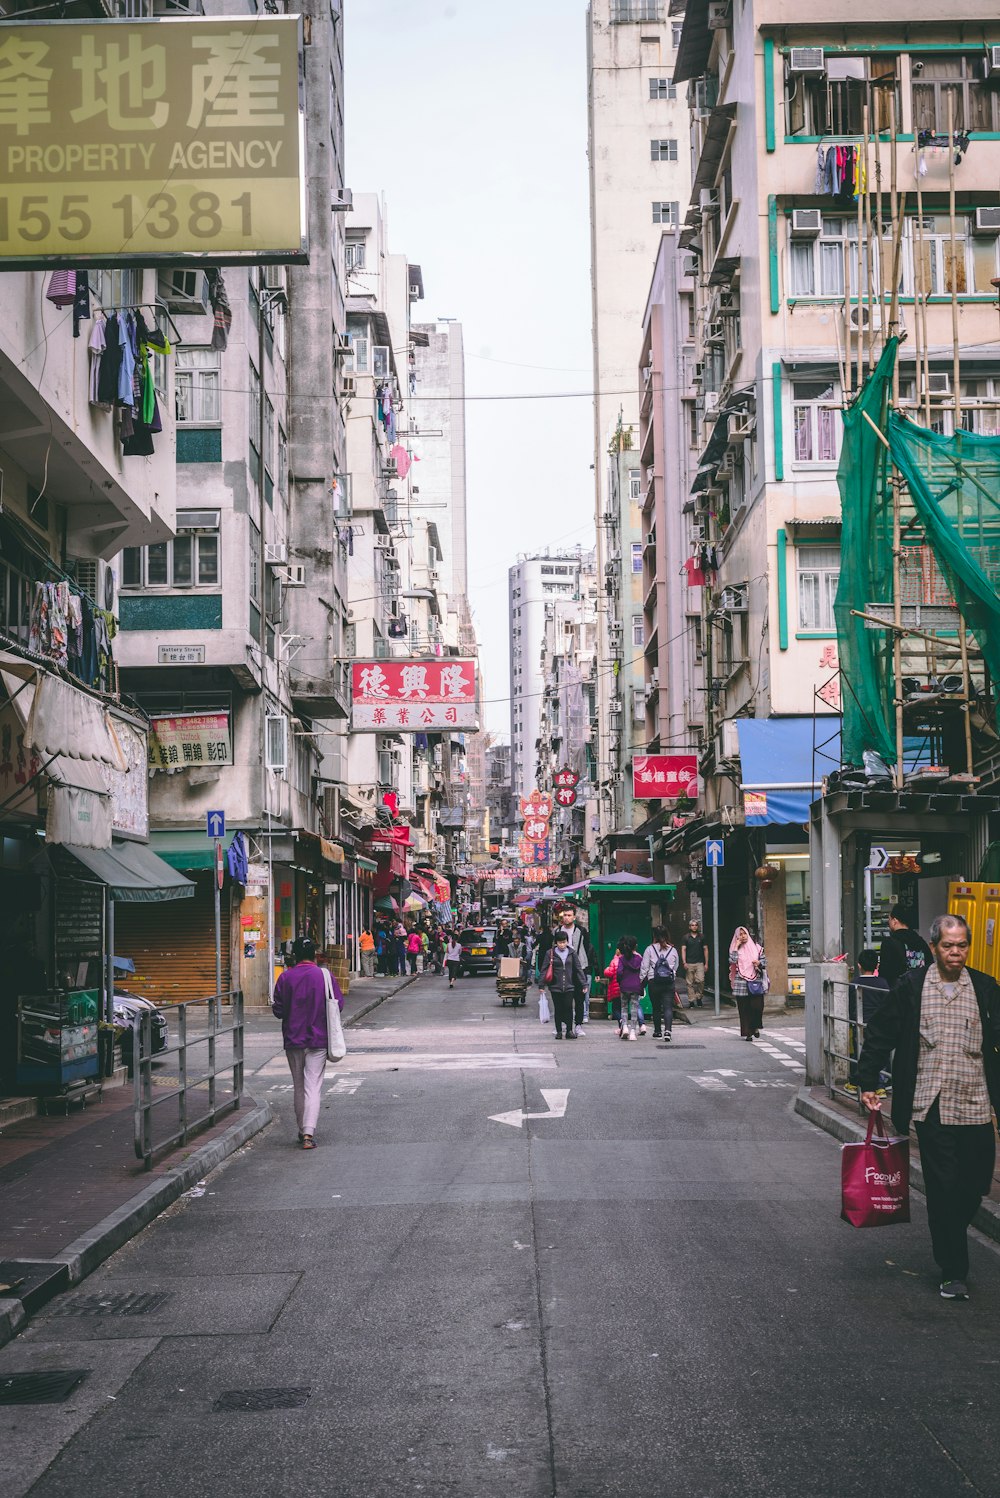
pixel 346 1085
pixel 556 1100
pixel 470 1061
pixel 712 1084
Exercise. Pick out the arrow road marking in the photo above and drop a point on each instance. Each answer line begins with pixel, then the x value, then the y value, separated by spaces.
pixel 556 1099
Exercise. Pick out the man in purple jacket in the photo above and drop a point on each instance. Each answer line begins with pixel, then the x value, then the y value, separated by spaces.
pixel 300 1003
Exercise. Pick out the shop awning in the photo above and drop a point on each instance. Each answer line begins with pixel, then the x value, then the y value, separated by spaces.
pixel 133 873
pixel 778 777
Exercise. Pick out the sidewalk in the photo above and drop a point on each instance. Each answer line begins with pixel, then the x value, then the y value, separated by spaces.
pixel 72 1190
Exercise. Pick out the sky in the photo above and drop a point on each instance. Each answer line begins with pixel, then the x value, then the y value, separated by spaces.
pixel 471 119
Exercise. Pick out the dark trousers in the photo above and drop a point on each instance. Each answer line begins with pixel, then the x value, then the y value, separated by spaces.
pixel 751 1008
pixel 661 996
pixel 562 1004
pixel 958 1161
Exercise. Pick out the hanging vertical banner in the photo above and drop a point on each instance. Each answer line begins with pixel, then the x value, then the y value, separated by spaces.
pixel 145 142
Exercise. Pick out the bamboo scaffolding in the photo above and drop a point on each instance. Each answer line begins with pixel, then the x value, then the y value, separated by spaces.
pixel 956 382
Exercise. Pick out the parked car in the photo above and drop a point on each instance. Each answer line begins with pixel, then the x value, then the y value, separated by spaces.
pixel 478 955
pixel 129 1009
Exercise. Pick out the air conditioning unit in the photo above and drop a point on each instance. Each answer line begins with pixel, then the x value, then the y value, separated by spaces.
pixel 806 223
pixel 733 600
pixel 991 62
pixel 275 553
pixel 342 344
pixel 650 538
pixel 184 291
pixel 689 266
pixel 615 705
pixel 715 332
pixel 864 317
pixel 348 385
pixel 98 580
pixel 342 200
pixel 988 219
pixel 711 402
pixel 806 60
pixel 729 305
pixel 698 374
pixel 741 426
pixel 718 14
pixel 938 383
pixel 727 741
pixel 654 679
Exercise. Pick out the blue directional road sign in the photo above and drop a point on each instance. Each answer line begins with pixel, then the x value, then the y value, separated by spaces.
pixel 715 853
pixel 215 823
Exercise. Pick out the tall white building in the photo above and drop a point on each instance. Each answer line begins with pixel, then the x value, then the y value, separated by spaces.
pixel 640 174
pixel 533 582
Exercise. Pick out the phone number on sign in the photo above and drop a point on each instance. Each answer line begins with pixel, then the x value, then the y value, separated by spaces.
pixel 162 216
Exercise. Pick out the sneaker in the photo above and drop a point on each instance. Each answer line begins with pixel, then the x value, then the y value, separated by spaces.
pixel 954 1290
pixel 881 1092
pixel 624 1035
pixel 632 1035
pixel 642 1029
pixel 667 1035
pixel 572 1035
pixel 851 1088
pixel 657 1034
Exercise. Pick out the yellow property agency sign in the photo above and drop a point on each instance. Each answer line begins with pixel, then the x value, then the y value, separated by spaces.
pixel 151 141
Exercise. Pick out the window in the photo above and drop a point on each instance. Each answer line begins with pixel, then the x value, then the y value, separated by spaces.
pixel 666 213
pixel 638 705
pixel 282 463
pixel 834 103
pixel 817 265
pixel 818 570
pixel 961 77
pixel 663 150
pixel 623 11
pixel 935 264
pixel 187 561
pixel 268 436
pixel 816 421
pixel 196 385
pixel 254 564
pixel 662 88
pixel 638 630
pixel 116 288
pixel 358 360
pixel 636 556
pixel 254 408
pixel 635 484
pixel 354 255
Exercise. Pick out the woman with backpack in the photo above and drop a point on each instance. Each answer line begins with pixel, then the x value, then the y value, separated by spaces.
pixel 748 980
pixel 660 962
pixel 624 975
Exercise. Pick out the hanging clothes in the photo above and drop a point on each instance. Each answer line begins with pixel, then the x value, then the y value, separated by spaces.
pixel 96 346
pixel 221 310
pixel 81 301
pixel 110 362
pixel 61 290
pixel 126 372
pixel 48 626
pixel 695 576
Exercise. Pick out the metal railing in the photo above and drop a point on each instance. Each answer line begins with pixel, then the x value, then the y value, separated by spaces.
pixel 191 1084
pixel 843 1036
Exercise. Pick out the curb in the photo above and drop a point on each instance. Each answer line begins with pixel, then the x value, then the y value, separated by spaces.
pixel 832 1121
pixel 374 1003
pixel 91 1249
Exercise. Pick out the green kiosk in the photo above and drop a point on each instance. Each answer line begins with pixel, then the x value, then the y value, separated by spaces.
pixel 625 905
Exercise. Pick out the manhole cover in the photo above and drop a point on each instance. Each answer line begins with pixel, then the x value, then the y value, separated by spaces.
pixel 119 1303
pixel 380 1050
pixel 669 1046
pixel 260 1399
pixel 51 1387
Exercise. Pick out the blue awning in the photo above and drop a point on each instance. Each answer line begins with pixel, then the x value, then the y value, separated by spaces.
pixel 779 779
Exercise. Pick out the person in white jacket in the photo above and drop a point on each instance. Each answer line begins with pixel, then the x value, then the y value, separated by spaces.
pixel 660 962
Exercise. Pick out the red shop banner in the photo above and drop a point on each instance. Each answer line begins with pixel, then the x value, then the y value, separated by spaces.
pixel 413 696
pixel 664 777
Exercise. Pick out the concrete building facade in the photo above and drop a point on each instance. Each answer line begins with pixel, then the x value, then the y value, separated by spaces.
pixel 533 583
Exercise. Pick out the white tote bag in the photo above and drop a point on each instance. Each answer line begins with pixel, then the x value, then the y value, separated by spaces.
pixel 336 1045
pixel 543 1007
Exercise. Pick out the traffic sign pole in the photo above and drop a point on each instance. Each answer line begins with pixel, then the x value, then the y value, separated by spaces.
pixel 218 919
pixel 715 938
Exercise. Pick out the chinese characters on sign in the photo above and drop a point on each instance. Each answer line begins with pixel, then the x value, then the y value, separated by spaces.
pixel 566 795
pixel 830 690
pixel 413 696
pixel 566 778
pixel 664 777
pixel 178 743
pixel 151 140
pixel 538 804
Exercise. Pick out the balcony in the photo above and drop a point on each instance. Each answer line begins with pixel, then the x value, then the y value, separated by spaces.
pixel 326 694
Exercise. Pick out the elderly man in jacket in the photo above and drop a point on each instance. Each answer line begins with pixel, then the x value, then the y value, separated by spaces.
pixel 944 1026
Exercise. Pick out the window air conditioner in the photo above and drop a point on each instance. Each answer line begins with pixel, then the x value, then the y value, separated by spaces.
pixel 294 576
pixel 275 553
pixel 689 266
pixel 714 332
pixel 711 402
pixel 806 223
pixel 864 317
pixel 734 600
pixel 938 383
pixel 806 60
pixel 184 291
pixel 342 200
pixel 991 62
pixel 718 14
pixel 727 742
pixel 741 426
pixel 988 219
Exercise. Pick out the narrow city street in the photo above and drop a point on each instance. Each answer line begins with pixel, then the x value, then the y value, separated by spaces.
pixel 640 1287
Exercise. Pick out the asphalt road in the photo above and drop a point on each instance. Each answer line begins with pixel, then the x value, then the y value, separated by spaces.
pixel 652 1294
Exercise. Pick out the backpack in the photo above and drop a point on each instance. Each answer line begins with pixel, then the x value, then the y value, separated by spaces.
pixel 662 970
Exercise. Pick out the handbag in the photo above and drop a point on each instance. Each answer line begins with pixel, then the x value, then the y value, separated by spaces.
pixel 875 1178
pixel 336 1045
pixel 758 987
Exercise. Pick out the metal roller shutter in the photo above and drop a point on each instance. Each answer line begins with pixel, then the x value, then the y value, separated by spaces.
pixel 173 944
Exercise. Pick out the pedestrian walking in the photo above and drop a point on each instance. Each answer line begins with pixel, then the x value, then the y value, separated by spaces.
pixel 748 981
pixel 660 962
pixel 366 946
pixel 399 943
pixel 625 988
pixel 695 950
pixel 564 978
pixel 944 1026
pixel 414 946
pixel 453 958
pixel 579 942
pixel 299 1001
pixel 863 999
pixel 904 949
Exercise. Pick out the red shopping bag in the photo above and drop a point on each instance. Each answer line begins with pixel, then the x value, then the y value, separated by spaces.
pixel 875 1178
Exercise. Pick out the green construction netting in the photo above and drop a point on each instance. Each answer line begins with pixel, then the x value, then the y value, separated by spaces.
pixel 951 541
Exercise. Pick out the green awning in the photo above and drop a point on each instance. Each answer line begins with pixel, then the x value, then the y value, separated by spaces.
pixel 134 874
pixel 202 858
pixel 365 863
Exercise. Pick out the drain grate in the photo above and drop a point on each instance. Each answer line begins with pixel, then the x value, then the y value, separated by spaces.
pixel 51 1387
pixel 116 1303
pixel 260 1399
pixel 380 1050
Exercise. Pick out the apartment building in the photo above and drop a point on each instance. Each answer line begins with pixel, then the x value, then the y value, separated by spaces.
pixel 792 266
pixel 639 164
pixel 533 583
